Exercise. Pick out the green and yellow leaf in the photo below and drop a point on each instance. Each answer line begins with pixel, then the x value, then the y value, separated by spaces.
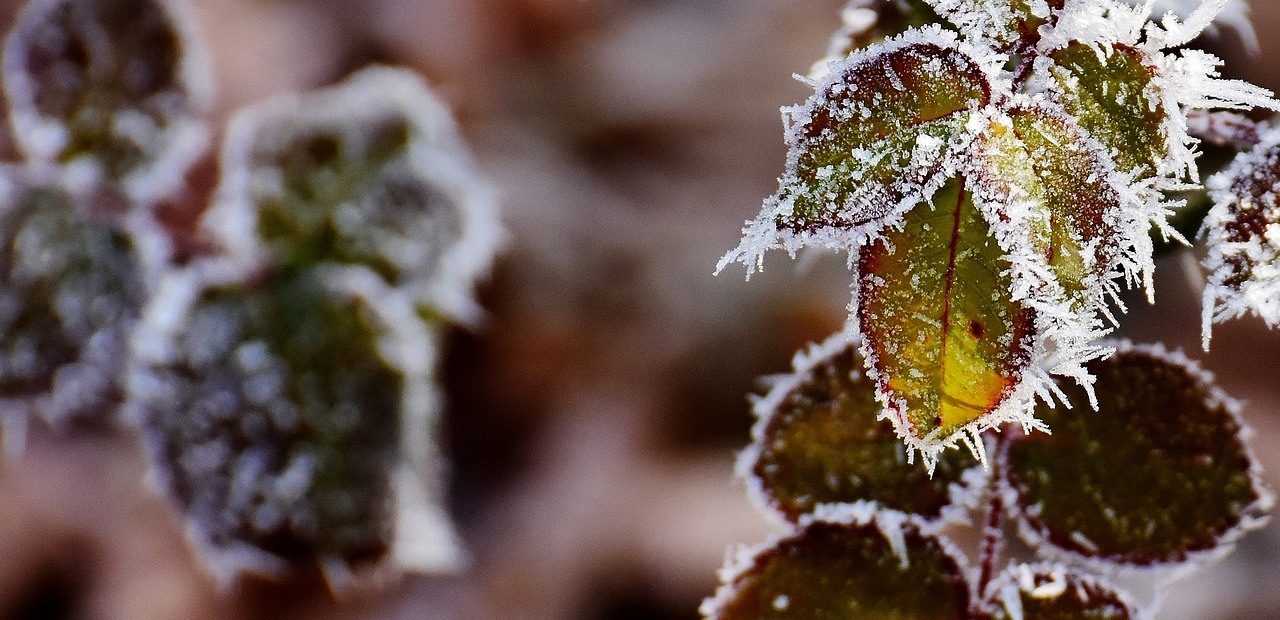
pixel 948 344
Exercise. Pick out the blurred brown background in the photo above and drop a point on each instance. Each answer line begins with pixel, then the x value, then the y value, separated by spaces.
pixel 593 421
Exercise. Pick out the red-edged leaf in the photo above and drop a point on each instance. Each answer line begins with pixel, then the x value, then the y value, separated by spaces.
pixel 1157 474
pixel 948 344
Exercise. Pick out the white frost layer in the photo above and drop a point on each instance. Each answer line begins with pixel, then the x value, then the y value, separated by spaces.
pixel 173 333
pixel 170 143
pixel 1254 515
pixel 932 162
pixel 1248 252
pixel 441 253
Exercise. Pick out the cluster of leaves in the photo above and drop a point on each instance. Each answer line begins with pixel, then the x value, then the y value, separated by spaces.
pixel 283 381
pixel 994 179
pixel 994 168
pixel 1155 479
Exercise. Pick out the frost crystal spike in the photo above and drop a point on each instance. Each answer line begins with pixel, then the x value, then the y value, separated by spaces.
pixel 995 187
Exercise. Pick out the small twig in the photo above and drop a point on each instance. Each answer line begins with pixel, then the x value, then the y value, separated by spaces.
pixel 993 530
pixel 1225 129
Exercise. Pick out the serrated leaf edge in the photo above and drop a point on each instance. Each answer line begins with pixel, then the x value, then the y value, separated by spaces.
pixel 962 496
pixel 437 154
pixel 186 141
pixel 1260 297
pixel 1254 516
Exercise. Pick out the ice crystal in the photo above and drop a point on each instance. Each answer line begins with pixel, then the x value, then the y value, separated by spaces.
pixel 1057 128
pixel 1243 234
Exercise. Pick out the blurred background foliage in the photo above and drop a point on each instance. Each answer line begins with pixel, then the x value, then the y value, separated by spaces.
pixel 593 419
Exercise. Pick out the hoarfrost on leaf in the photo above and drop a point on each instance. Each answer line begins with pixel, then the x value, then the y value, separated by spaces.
pixel 370 172
pixel 1158 474
pixel 289 418
pixel 878 137
pixel 1242 232
pixel 949 347
pixel 71 292
pixel 115 88
pixel 821 444
pixel 830 570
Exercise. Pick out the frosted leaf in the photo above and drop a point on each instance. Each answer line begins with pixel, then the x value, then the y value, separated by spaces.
pixel 1243 238
pixel 1157 474
pixel 114 88
pixel 874 140
pixel 369 172
pixel 1003 24
pixel 1036 166
pixel 1110 94
pixel 71 291
pixel 866 22
pixel 949 347
pixel 1052 592
pixel 290 420
pixel 831 571
pixel 1119 72
pixel 820 440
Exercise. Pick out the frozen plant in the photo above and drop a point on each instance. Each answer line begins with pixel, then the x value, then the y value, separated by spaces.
pixel 994 187
pixel 996 171
pixel 1153 482
pixel 105 99
pixel 283 381
pixel 285 386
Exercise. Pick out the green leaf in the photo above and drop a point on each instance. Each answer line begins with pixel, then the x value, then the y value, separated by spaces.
pixel 869 144
pixel 948 344
pixel 107 82
pixel 283 417
pixel 1046 592
pixel 370 172
pixel 71 291
pixel 820 441
pixel 1037 167
pixel 836 572
pixel 1243 238
pixel 1109 89
pixel 1157 474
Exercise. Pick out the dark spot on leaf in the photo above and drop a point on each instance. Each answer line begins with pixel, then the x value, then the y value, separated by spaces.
pixel 975 328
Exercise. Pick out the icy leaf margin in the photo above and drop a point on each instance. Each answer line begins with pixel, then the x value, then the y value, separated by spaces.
pixel 441 277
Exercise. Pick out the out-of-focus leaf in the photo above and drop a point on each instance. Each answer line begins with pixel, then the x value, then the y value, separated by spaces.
pixel 835 572
pixel 112 82
pixel 1155 475
pixel 866 22
pixel 1109 91
pixel 1243 234
pixel 1038 168
pixel 369 172
pixel 1054 593
pixel 948 343
pixel 821 442
pixel 71 291
pixel 284 417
